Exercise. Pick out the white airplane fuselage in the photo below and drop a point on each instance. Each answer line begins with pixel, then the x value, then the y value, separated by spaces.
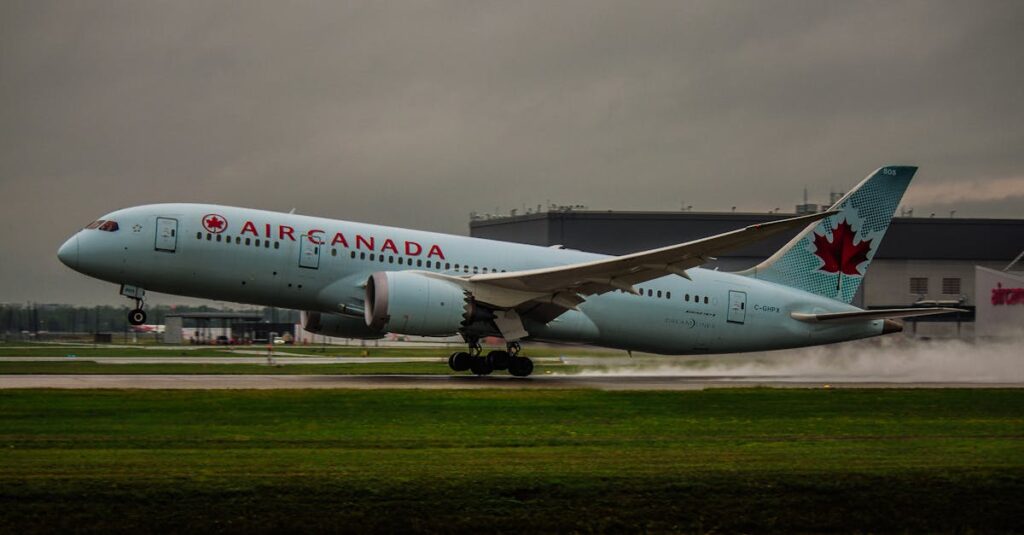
pixel 322 265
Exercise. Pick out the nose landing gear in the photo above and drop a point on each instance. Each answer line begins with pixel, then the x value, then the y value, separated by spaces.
pixel 478 364
pixel 136 316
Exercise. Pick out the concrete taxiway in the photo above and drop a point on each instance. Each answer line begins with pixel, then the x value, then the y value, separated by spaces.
pixel 461 382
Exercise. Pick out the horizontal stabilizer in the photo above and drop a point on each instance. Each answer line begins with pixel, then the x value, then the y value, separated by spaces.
pixel 867 315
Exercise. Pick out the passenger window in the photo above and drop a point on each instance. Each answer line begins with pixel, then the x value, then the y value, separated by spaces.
pixel 372 257
pixel 334 252
pixel 362 256
pixel 257 242
pixel 209 237
pixel 419 263
pixel 705 299
pixel 465 269
pixel 277 245
pixel 485 270
pixel 447 265
pixel 248 241
pixel 238 240
pixel 266 244
pixel 391 260
pixel 456 267
pixel 668 295
pixel 219 238
pixel 199 235
pixel 400 260
pixel 687 298
pixel 352 255
pixel 659 293
pixel 650 293
pixel 381 259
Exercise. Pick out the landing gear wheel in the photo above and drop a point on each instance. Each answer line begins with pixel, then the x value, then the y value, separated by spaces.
pixel 137 317
pixel 460 361
pixel 498 359
pixel 520 366
pixel 480 366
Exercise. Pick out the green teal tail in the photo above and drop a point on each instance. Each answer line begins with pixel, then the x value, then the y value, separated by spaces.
pixel 830 257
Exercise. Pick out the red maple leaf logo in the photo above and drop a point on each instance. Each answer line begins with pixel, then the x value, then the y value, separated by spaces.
pixel 841 255
pixel 214 223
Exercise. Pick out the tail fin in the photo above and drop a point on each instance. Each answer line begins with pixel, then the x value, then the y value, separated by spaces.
pixel 831 256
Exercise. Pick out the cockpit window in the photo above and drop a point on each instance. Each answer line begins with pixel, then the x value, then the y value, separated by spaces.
pixel 94 224
pixel 109 226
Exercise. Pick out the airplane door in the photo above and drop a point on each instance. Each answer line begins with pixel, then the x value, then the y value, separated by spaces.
pixel 166 234
pixel 309 253
pixel 737 307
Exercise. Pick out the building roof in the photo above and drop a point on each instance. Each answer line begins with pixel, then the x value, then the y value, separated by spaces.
pixel 908 238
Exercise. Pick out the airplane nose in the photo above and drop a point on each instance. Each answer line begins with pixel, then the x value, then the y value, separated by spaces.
pixel 68 253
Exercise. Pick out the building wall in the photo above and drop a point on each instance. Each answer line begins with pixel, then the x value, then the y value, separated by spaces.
pixel 888 281
pixel 173 330
pixel 999 317
pixel 617 233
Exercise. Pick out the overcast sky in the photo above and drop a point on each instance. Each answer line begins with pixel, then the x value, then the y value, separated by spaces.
pixel 416 113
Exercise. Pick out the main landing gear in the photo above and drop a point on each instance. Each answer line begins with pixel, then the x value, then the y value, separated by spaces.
pixel 478 364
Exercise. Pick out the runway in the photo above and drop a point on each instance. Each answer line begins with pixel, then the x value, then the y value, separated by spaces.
pixel 458 382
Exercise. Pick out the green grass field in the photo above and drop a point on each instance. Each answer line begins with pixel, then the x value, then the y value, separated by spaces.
pixel 753 460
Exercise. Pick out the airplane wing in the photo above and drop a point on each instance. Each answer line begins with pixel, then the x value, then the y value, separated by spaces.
pixel 567 285
pixel 866 315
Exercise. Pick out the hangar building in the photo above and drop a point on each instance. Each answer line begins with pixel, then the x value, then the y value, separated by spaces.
pixel 922 260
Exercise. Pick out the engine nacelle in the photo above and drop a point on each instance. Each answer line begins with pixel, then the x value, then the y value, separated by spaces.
pixel 338 326
pixel 410 303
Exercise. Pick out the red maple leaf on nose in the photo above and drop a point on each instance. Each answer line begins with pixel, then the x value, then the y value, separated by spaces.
pixel 214 222
pixel 841 255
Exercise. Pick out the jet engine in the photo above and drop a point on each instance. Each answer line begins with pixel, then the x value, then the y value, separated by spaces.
pixel 411 303
pixel 338 325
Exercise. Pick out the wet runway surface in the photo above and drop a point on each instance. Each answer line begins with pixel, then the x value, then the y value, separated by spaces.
pixel 599 382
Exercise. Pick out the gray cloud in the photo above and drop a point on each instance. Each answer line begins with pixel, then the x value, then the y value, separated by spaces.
pixel 416 113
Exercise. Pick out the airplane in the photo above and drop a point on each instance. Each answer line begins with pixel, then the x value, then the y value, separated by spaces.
pixel 356 280
pixel 158 329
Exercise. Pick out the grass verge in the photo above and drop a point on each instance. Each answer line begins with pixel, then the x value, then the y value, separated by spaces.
pixel 758 460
